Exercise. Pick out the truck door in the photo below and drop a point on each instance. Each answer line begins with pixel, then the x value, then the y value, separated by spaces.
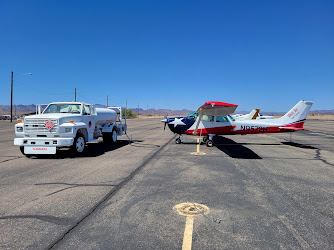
pixel 88 118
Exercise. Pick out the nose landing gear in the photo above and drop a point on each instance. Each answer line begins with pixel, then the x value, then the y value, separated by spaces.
pixel 178 140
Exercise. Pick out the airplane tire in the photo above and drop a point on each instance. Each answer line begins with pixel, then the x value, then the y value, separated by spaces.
pixel 178 141
pixel 205 139
pixel 209 143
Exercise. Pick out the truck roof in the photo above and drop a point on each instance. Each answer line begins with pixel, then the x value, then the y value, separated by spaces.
pixel 71 103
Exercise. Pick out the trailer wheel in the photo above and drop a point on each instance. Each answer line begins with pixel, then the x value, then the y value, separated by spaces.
pixel 79 143
pixel 110 138
pixel 22 151
pixel 114 136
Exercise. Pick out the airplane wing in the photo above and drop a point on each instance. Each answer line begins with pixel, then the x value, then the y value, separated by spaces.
pixel 214 108
pixel 217 108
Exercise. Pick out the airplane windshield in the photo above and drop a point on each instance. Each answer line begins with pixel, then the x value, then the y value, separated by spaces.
pixel 192 115
pixel 231 118
pixel 63 108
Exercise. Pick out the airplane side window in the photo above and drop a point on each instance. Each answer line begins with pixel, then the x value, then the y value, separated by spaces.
pixel 221 119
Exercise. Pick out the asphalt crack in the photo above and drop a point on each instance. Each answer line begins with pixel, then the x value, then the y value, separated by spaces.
pixel 50 219
pixel 14 158
pixel 318 157
pixel 73 186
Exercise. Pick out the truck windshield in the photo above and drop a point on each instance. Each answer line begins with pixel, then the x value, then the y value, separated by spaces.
pixel 63 108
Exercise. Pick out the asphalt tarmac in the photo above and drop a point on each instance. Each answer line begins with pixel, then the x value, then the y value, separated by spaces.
pixel 268 191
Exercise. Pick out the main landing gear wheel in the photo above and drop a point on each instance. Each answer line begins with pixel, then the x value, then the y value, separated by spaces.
pixel 209 143
pixel 178 141
pixel 205 139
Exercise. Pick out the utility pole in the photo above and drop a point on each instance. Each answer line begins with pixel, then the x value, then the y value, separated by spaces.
pixel 11 96
pixel 75 94
pixel 126 107
pixel 11 99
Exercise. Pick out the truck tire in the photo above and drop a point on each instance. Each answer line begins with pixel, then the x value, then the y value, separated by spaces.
pixel 22 151
pixel 79 144
pixel 110 138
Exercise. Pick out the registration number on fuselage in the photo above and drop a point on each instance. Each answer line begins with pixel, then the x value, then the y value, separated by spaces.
pixel 255 129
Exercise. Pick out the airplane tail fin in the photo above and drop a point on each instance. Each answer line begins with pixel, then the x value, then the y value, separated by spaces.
pixel 254 114
pixel 297 114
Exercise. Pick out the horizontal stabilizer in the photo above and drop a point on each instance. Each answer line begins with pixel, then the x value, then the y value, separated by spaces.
pixel 291 128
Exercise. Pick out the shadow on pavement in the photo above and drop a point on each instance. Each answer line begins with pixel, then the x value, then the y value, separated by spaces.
pixel 233 149
pixel 91 150
pixel 294 144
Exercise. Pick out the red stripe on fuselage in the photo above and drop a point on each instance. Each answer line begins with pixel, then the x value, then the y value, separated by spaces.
pixel 275 129
pixel 228 130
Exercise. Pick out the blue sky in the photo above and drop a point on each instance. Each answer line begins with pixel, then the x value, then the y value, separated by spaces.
pixel 169 54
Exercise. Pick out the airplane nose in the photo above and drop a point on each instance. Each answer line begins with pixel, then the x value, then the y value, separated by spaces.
pixel 164 120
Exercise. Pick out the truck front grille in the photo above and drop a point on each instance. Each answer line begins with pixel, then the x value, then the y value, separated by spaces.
pixel 37 125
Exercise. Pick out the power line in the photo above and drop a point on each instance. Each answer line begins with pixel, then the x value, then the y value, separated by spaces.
pixel 37 90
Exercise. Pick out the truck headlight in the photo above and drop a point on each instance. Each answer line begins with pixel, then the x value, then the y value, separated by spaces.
pixel 19 129
pixel 68 130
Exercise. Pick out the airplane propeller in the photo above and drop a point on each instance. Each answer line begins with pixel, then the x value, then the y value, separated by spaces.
pixel 165 121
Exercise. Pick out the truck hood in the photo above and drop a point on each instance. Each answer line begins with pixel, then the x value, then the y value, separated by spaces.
pixel 54 115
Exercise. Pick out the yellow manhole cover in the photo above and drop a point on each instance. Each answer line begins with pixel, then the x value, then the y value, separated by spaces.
pixel 190 209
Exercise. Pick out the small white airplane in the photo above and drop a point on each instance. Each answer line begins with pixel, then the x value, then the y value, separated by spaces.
pixel 213 118
pixel 253 115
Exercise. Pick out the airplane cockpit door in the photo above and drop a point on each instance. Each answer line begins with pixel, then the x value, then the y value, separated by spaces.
pixel 207 121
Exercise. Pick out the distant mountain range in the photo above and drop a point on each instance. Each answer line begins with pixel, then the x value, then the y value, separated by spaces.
pixel 26 109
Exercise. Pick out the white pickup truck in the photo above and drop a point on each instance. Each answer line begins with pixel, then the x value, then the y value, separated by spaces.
pixel 68 124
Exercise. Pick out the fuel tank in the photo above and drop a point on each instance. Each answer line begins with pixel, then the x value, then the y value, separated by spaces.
pixel 104 116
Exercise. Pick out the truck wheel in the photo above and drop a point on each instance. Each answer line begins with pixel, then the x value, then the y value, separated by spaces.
pixel 22 151
pixel 110 138
pixel 114 136
pixel 79 144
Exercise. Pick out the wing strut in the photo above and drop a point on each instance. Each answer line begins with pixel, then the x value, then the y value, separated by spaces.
pixel 198 121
